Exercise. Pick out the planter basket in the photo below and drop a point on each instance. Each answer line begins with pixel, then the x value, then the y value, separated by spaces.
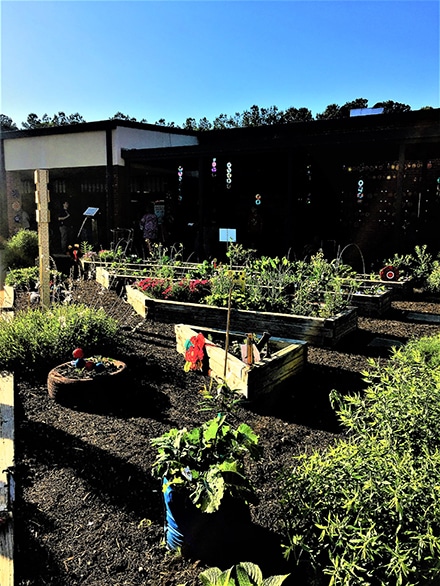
pixel 74 391
pixel 199 534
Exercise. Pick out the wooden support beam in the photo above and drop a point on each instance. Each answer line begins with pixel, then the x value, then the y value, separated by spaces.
pixel 7 492
pixel 41 178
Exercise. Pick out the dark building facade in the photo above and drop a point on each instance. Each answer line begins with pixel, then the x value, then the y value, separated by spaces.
pixel 367 181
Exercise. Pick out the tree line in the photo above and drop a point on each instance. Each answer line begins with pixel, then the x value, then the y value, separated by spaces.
pixel 254 116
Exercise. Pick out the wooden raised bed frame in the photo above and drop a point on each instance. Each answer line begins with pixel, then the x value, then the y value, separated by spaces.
pixel 287 360
pixel 374 305
pixel 318 331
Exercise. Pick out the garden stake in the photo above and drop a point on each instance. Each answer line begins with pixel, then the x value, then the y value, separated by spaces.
pixel 228 324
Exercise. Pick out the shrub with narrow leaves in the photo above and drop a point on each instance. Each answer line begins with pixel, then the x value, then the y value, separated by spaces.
pixel 37 338
pixel 366 510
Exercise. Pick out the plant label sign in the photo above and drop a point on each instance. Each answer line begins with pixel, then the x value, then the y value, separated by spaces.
pixel 227 235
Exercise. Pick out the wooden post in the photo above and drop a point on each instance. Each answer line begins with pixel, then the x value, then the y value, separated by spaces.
pixel 41 178
pixel 7 486
pixel 228 327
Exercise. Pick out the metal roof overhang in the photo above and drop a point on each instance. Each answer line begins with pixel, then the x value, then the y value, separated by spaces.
pixel 387 133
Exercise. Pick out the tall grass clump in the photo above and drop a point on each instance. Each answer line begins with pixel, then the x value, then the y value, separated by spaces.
pixel 40 338
pixel 21 250
pixel 366 511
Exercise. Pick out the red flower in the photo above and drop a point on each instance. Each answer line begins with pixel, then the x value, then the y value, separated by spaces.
pixel 194 354
pixel 198 341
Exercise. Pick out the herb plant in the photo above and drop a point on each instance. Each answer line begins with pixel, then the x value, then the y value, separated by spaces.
pixel 208 461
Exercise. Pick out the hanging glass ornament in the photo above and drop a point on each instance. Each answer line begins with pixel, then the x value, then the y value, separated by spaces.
pixel 214 167
pixel 180 178
pixel 228 175
pixel 360 191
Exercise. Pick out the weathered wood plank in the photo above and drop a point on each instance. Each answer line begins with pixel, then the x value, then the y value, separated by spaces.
pixel 6 461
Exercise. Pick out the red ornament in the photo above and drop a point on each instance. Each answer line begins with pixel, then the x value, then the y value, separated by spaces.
pixel 89 365
pixel 78 353
pixel 389 273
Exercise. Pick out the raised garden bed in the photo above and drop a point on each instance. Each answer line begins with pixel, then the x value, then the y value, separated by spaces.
pixel 71 388
pixel 286 359
pixel 318 331
pixel 374 305
pixel 400 289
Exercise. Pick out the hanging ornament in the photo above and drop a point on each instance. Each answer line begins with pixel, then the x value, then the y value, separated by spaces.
pixel 228 175
pixel 389 273
pixel 180 178
pixel 258 199
pixel 360 191
pixel 214 167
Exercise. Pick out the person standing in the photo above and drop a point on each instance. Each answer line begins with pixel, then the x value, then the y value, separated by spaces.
pixel 149 226
pixel 64 226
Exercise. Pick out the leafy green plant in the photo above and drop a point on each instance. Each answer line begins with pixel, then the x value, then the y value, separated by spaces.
pixel 365 511
pixel 110 256
pixel 242 574
pixel 433 281
pixel 21 250
pixel 27 279
pixel 314 288
pixel 208 461
pixel 238 255
pixel 418 265
pixel 36 338
pixel 402 400
pixel 23 279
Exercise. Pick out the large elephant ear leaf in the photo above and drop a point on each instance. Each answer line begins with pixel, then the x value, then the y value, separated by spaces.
pixel 275 580
pixel 215 577
pixel 213 493
pixel 249 574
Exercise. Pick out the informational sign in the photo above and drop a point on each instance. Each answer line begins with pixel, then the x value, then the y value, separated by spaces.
pixel 227 235
pixel 159 210
pixel 91 212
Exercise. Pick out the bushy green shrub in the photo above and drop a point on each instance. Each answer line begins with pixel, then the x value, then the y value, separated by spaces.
pixel 433 280
pixel 401 403
pixel 39 338
pixel 417 265
pixel 24 279
pixel 21 250
pixel 366 510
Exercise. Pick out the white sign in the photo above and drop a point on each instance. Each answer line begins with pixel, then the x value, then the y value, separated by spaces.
pixel 227 234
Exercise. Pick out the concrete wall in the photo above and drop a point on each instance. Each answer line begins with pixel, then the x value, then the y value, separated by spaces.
pixel 84 149
pixel 60 151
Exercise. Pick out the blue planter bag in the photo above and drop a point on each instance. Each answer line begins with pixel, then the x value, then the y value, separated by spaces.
pixel 197 533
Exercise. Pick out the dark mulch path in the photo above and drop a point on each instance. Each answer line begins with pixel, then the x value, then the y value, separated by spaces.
pixel 88 511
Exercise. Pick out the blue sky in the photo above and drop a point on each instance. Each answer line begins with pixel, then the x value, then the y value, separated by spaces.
pixel 178 59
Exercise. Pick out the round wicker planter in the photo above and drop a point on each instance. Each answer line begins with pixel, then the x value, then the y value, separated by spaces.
pixel 87 389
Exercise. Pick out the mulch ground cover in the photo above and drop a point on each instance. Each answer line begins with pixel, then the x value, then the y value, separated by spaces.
pixel 88 511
